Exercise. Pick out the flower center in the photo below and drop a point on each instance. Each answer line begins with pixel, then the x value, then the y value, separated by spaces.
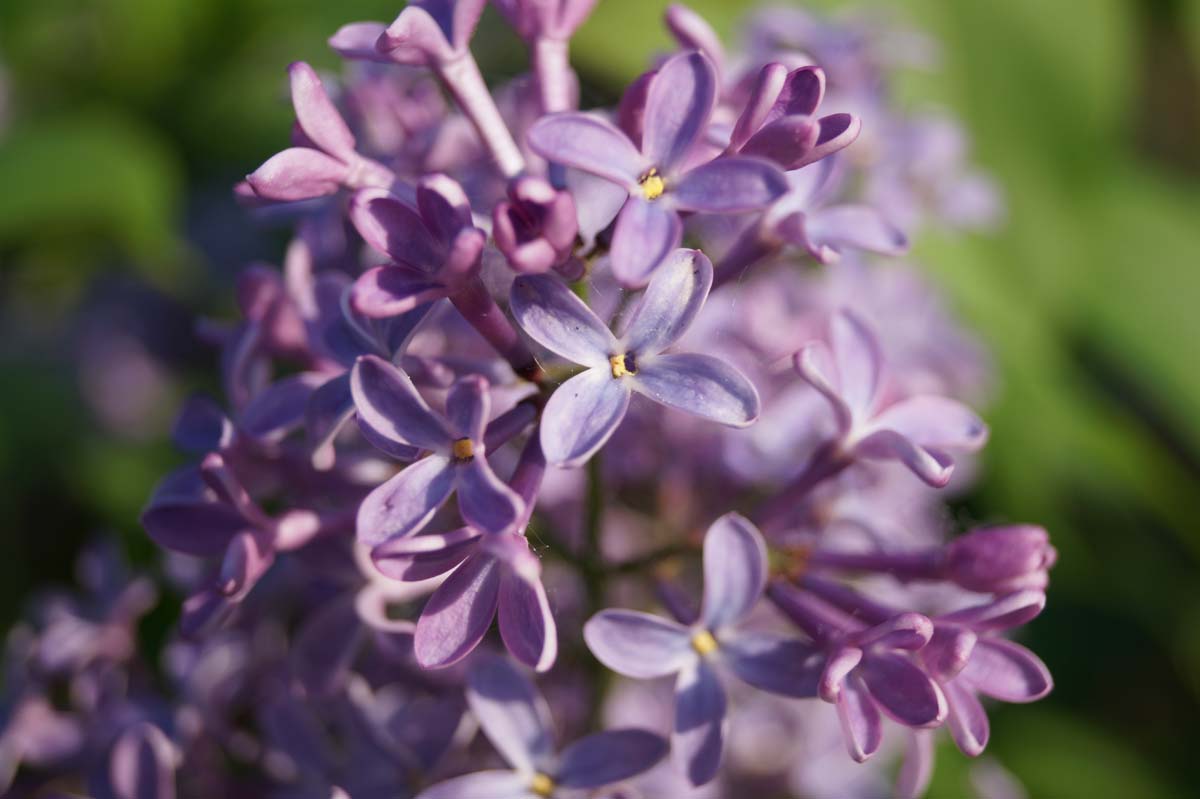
pixel 542 785
pixel 464 450
pixel 623 364
pixel 652 184
pixel 704 643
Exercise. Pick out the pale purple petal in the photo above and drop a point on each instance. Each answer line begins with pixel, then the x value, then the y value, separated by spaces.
pixel 1011 610
pixel 386 291
pixel 830 231
pixel 837 670
pixel 481 785
pixel 406 502
pixel 638 645
pixel 786 666
pixel 526 623
pixel 388 403
pixel 327 411
pixel 917 769
pixel 514 717
pixel 815 363
pixel 298 173
pixel 581 415
pixel 858 360
pixel 675 295
pixel 357 41
pixel 485 502
pixel 394 228
pixel 459 613
pixel 693 32
pixel 967 720
pixel 201 426
pixel 732 184
pixel 700 384
pixel 467 407
pixel 735 570
pixel 590 144
pixel 838 131
pixel 325 646
pixel 932 466
pixel 316 114
pixel 142 764
pixel 1007 671
pixel 768 83
pixel 934 422
pixel 608 757
pixel 786 141
pixel 646 232
pixel 679 102
pixel 556 318
pixel 902 690
pixel 910 631
pixel 279 408
pixel 698 739
pixel 416 38
pixel 421 557
pixel 862 728
pixel 444 206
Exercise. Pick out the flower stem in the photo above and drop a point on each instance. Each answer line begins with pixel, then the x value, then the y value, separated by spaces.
pixel 476 305
pixel 556 81
pixel 463 79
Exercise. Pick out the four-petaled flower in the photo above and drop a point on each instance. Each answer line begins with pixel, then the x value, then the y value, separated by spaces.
pixel 517 722
pixel 394 417
pixel 643 646
pixel 583 412
pixel 660 176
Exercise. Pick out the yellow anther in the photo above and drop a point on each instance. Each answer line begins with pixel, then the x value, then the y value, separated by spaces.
pixel 464 450
pixel 542 785
pixel 619 367
pixel 652 185
pixel 704 643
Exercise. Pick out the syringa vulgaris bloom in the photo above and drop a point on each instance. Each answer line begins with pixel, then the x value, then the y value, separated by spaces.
pixel 584 412
pixel 659 176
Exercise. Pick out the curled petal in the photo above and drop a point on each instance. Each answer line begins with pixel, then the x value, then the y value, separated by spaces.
pixel 830 231
pixel 298 173
pixel 862 728
pixel 768 83
pixel 458 614
pixel 917 770
pixel 405 503
pixel 934 422
pixel 1007 671
pixel 326 413
pixel 785 666
pixel 838 131
pixel 526 623
pixel 421 557
pixel 484 501
pixel 389 290
pixel 515 718
pixel 815 363
pixel 646 232
pixel 909 631
pixel 392 227
pixel 836 672
pixel 388 403
pixel 607 757
pixel 902 690
pixel 700 384
pixel 638 645
pixel 698 739
pixel 729 185
pixel 317 115
pixel 675 295
pixel 1010 610
pixel 581 415
pixel 357 41
pixel 679 102
pixel 444 205
pixel 968 721
pixel 590 144
pixel 802 92
pixel 201 426
pixel 786 141
pixel 932 466
pixel 556 318
pixel 735 570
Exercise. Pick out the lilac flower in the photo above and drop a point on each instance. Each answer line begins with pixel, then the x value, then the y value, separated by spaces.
pixel 142 765
pixel 392 414
pixel 643 646
pixel 917 431
pixel 866 670
pixel 517 722
pixel 536 227
pixel 324 158
pixel 659 178
pixel 583 413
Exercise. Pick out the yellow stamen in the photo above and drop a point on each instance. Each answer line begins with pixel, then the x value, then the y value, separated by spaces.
pixel 464 450
pixel 704 643
pixel 542 785
pixel 652 185
pixel 619 367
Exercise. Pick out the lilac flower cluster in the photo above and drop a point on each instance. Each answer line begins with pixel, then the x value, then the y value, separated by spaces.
pixel 653 354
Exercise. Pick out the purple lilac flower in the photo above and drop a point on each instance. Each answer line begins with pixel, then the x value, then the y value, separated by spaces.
pixel 643 646
pixel 582 414
pixel 517 722
pixel 536 227
pixel 142 766
pixel 659 177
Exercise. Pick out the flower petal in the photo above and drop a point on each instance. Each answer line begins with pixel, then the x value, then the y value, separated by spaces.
pixel 735 570
pixel 917 769
pixel 1006 612
pixel 316 114
pixel 581 415
pixel 902 690
pixel 279 408
pixel 417 558
pixel 458 614
pixel 699 384
pixel 142 764
pixel 513 715
pixel 932 466
pixel 484 501
pixel 786 666
pixel 356 40
pixel 838 131
pixel 968 721
pixel 935 423
pixel 526 623
pixel 679 102
pixel 786 141
pixel 325 646
pixel 298 173
pixel 858 360
pixel 802 92
pixel 607 757
pixel 481 785
pixel 553 316
pixel 193 527
pixel 406 502
pixel 815 363
pixel 830 231
pixel 388 403
pixel 590 144
pixel 862 728
pixel 468 406
pixel 327 411
pixel 1007 671
pixel 675 295
pixel 646 232
pixel 395 229
pixel 730 185
pixel 386 291
pixel 637 644
pixel 698 739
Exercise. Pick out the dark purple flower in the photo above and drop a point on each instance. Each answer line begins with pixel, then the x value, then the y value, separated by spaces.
pixel 659 178
pixel 1001 559
pixel 643 646
pixel 536 226
pixel 584 411
pixel 517 722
